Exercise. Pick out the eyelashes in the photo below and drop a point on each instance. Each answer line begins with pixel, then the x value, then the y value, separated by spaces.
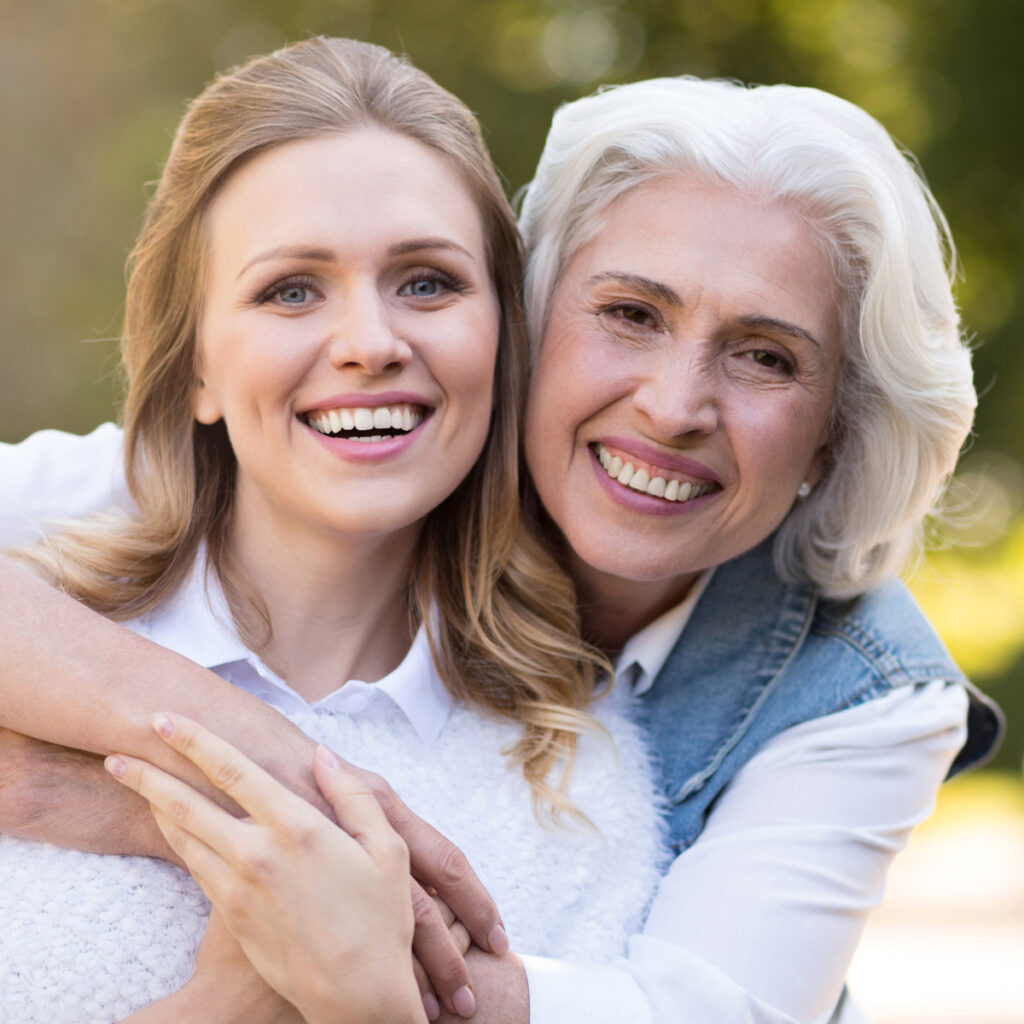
pixel 300 284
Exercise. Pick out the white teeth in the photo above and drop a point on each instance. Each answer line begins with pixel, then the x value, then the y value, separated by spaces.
pixel 378 417
pixel 640 480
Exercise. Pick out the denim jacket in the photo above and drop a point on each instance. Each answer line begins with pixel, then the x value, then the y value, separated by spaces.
pixel 759 655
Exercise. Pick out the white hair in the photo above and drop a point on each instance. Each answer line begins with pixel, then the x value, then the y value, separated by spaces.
pixel 905 398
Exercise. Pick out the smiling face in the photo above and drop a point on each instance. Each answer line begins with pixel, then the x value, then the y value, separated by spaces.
pixel 348 334
pixel 684 384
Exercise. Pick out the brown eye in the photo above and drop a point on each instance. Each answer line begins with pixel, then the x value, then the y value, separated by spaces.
pixel 633 314
pixel 770 360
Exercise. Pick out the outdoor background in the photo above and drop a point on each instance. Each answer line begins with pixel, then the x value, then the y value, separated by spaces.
pixel 90 92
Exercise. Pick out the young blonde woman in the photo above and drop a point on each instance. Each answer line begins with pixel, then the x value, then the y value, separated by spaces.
pixel 325 372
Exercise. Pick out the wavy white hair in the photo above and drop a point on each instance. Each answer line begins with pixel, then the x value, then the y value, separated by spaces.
pixel 905 400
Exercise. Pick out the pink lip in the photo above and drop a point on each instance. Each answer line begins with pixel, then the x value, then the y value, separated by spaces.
pixel 657 457
pixel 367 451
pixel 647 503
pixel 355 400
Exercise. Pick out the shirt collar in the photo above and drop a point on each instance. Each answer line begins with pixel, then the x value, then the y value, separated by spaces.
pixel 195 621
pixel 645 652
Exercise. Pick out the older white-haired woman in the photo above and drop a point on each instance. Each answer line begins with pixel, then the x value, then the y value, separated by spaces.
pixel 749 390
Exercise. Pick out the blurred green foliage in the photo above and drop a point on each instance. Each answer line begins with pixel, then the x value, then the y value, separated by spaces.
pixel 91 92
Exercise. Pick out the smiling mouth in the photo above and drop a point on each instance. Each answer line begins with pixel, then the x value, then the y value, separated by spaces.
pixel 639 479
pixel 367 423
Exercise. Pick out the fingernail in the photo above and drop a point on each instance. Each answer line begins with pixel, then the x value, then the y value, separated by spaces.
pixel 431 1005
pixel 162 724
pixel 498 940
pixel 115 766
pixel 464 1002
pixel 326 757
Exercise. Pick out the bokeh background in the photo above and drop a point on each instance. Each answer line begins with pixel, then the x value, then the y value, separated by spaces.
pixel 90 92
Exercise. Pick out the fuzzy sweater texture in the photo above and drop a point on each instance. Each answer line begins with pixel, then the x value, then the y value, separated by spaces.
pixel 88 939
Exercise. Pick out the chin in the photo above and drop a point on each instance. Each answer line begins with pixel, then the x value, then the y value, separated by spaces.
pixel 627 565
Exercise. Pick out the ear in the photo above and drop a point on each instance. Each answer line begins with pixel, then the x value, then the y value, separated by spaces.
pixel 819 465
pixel 205 406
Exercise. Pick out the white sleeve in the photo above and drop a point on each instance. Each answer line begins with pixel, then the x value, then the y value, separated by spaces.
pixel 757 921
pixel 51 475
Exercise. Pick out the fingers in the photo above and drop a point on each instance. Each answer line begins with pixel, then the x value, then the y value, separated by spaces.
pixel 357 810
pixel 440 956
pixel 441 865
pixel 197 830
pixel 253 789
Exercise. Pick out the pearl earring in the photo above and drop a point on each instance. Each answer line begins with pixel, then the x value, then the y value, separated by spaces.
pixel 803 490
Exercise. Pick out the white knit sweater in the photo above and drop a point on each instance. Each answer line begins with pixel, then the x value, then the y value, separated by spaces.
pixel 88 939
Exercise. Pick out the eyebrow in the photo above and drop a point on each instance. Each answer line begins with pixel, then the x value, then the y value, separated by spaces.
pixel 419 244
pixel 320 255
pixel 772 323
pixel 645 284
pixel 289 252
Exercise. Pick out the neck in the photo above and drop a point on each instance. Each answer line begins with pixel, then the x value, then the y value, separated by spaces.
pixel 613 608
pixel 338 607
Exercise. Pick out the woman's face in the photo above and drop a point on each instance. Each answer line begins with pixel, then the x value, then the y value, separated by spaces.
pixel 684 382
pixel 348 334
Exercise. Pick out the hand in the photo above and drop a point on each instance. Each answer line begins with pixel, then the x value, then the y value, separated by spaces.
pixel 442 872
pixel 229 986
pixel 57 795
pixel 502 992
pixel 223 989
pixel 323 913
pixel 459 994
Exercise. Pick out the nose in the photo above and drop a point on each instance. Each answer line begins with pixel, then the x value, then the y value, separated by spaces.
pixel 677 393
pixel 364 338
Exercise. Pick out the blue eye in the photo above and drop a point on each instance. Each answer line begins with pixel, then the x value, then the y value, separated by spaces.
pixel 427 283
pixel 294 294
pixel 289 291
pixel 423 288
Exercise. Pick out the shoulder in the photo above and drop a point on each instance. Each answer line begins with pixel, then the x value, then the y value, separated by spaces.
pixel 884 634
pixel 52 474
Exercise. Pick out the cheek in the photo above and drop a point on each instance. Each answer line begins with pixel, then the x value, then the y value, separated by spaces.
pixel 777 443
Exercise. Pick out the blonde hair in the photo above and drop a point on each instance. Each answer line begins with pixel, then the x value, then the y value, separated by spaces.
pixel 499 611
pixel 905 398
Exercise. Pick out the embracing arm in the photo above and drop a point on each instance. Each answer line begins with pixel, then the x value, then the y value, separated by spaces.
pixel 102 683
pixel 791 862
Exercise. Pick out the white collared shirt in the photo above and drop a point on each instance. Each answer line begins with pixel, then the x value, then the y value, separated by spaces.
pixel 195 622
pixel 757 921
pixel 644 653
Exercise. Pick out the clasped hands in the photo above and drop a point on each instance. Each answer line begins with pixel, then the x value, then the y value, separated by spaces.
pixel 322 913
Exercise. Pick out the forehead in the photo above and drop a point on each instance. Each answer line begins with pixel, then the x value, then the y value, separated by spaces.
pixel 360 186
pixel 715 241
